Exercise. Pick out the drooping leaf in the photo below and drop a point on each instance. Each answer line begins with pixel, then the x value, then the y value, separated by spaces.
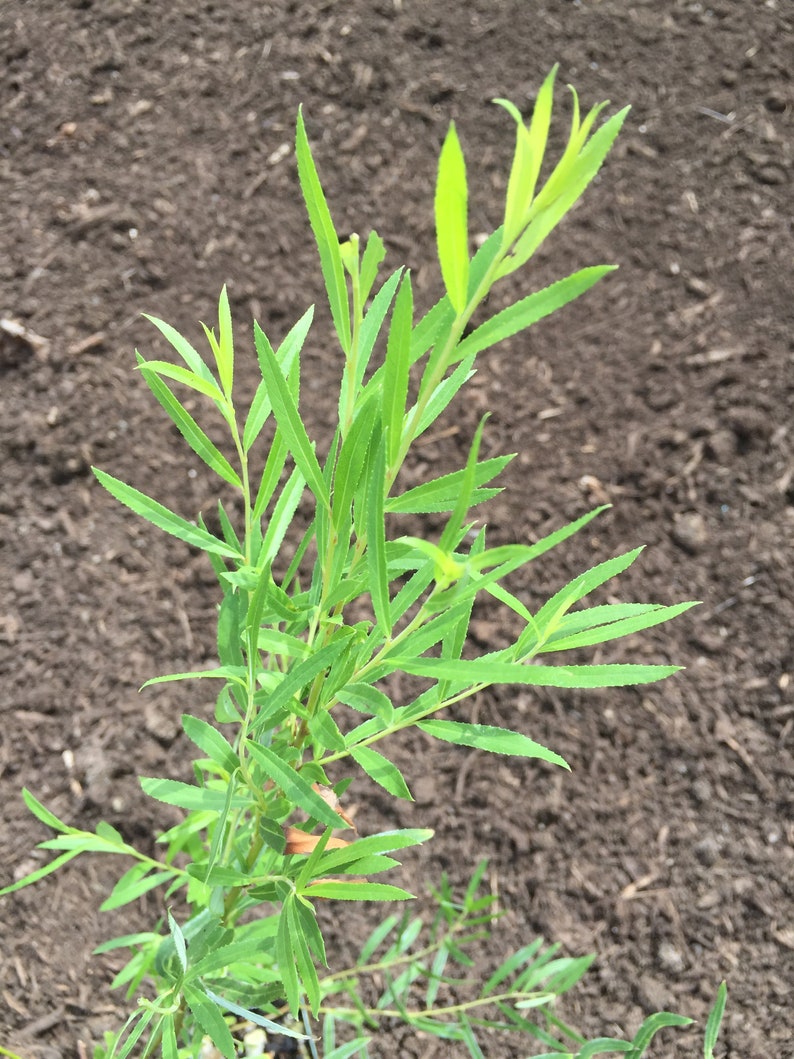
pixel 381 770
pixel 186 351
pixel 208 387
pixel 494 740
pixel 161 517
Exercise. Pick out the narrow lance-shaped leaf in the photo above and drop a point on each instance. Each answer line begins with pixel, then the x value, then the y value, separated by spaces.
pixel 451 209
pixel 286 354
pixel 285 956
pixel 208 387
pixel 529 151
pixel 291 424
pixel 374 253
pixel 187 426
pixel 494 740
pixel 458 515
pixel 351 461
pixel 441 494
pixel 482 671
pixel 294 785
pixel 529 310
pixel 357 891
pixel 162 517
pixel 183 348
pixel 376 540
pixel 325 234
pixel 224 354
pixel 381 770
pixel 397 366
pixel 210 1019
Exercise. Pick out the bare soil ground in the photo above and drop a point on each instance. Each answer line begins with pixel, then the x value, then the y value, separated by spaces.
pixel 145 159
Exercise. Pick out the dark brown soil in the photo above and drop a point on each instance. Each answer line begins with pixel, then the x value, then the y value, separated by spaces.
pixel 145 159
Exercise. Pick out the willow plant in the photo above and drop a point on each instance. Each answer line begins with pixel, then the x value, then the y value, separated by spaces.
pixel 312 626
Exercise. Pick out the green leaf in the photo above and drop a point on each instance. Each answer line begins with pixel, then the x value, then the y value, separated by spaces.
pixel 281 520
pixel 529 152
pixel 187 796
pixel 454 526
pixel 600 630
pixel 357 891
pixel 651 1026
pixel 289 349
pixel 180 945
pixel 209 387
pixel 271 474
pixel 451 210
pixel 294 786
pixel 366 699
pixel 441 494
pixel 601 1045
pixel 338 860
pixel 297 678
pixel 168 1040
pixel 187 426
pixel 374 253
pixel 224 355
pixel 325 235
pixel 381 770
pixel 164 519
pixel 575 182
pixel 351 462
pixel 494 740
pixel 211 742
pixel 529 310
pixel 42 813
pixel 184 349
pixel 396 369
pixel 306 969
pixel 138 1020
pixel 442 396
pixel 134 884
pixel 368 333
pixel 483 672
pixel 276 1028
pixel 40 873
pixel 548 618
pixel 521 183
pixel 714 1022
pixel 376 540
pixel 210 1019
pixel 285 956
pixel 234 674
pixel 325 733
pixel 291 424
